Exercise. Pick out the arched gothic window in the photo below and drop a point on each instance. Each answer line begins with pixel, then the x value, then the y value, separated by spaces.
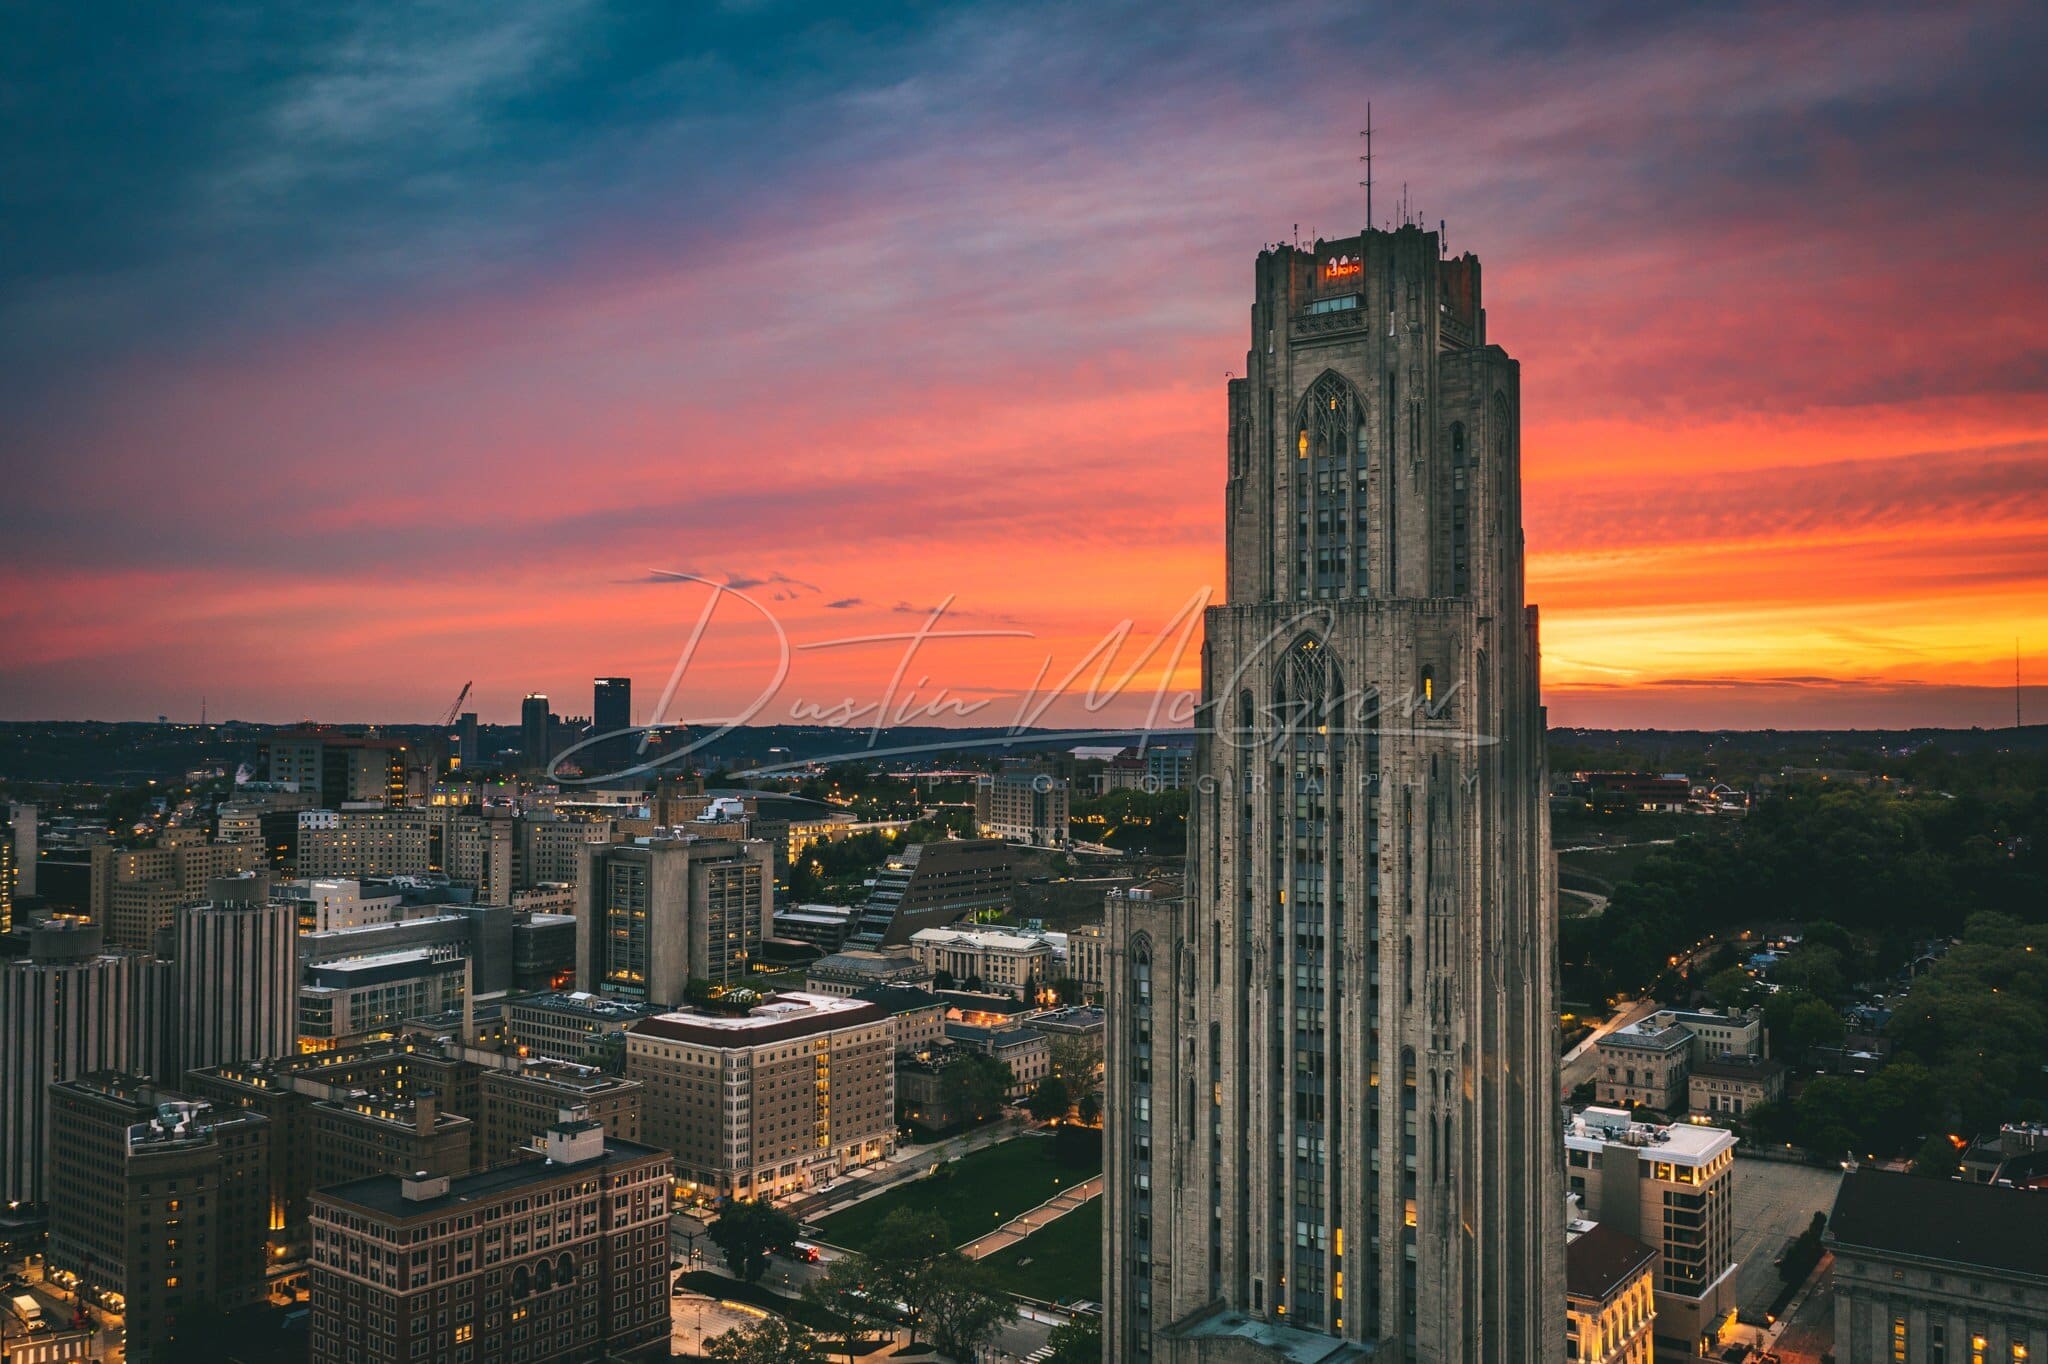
pixel 1461 547
pixel 1329 489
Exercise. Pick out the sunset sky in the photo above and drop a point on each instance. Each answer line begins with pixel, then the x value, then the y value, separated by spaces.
pixel 350 353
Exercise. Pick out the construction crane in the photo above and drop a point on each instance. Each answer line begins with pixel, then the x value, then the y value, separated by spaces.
pixel 456 709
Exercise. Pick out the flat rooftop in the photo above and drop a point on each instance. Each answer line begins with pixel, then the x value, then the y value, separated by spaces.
pixel 1982 1225
pixel 385 1194
pixel 1682 1143
pixel 777 1018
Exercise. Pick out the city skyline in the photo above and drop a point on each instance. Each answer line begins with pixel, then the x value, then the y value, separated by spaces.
pixel 415 333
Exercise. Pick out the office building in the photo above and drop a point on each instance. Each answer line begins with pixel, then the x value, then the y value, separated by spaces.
pixel 611 719
pixel 357 997
pixel 563 1257
pixel 985 958
pixel 1358 992
pixel 70 1008
pixel 1023 806
pixel 351 844
pixel 237 971
pixel 135 890
pixel 917 1018
pixel 931 885
pixel 825 927
pixel 7 881
pixel 1938 1271
pixel 661 912
pixel 339 769
pixel 858 968
pixel 322 906
pixel 536 731
pixel 21 829
pixel 158 1203
pixel 570 1025
pixel 517 1105
pixel 1610 1306
pixel 467 733
pixel 549 847
pixel 783 1096
pixel 351 1136
pixel 1668 1187
pixel 477 850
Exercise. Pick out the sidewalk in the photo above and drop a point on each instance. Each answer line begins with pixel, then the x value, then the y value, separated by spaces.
pixel 905 1165
pixel 1023 1224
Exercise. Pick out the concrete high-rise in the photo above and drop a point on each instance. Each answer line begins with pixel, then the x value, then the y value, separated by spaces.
pixel 536 729
pixel 238 974
pixel 21 824
pixel 69 1008
pixel 1333 1107
pixel 656 914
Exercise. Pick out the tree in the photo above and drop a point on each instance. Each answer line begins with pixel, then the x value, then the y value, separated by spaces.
pixel 975 1085
pixel 963 1305
pixel 1729 989
pixel 1814 1024
pixel 771 1340
pixel 1088 1108
pixel 901 1254
pixel 1936 1158
pixel 1049 1101
pixel 749 1231
pixel 1077 1060
pixel 942 979
pixel 1076 1342
pixel 843 1293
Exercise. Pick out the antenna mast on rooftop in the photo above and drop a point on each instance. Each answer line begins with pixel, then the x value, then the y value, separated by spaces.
pixel 1366 184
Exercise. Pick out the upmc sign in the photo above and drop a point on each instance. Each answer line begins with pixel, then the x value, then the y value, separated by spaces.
pixel 1343 267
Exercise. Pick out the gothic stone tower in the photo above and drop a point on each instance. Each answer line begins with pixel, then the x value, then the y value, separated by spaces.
pixel 1334 1124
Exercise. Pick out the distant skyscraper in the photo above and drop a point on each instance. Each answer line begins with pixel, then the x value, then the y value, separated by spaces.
pixel 466 739
pixel 23 826
pixel 655 915
pixel 611 711
pixel 69 1008
pixel 536 729
pixel 1333 1111
pixel 238 974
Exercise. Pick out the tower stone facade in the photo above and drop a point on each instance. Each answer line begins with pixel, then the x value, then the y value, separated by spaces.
pixel 1334 1128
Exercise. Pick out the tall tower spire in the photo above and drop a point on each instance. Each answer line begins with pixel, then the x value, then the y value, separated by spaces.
pixel 1333 1056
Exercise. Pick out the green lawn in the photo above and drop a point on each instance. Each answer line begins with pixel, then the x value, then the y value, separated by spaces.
pixel 984 1190
pixel 1065 1258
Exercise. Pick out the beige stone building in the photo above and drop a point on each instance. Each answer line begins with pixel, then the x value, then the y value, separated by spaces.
pixel 1001 959
pixel 657 914
pixel 1023 807
pixel 1669 1187
pixel 1643 1065
pixel 1731 1088
pixel 1610 1305
pixel 1938 1271
pixel 773 1100
pixel 134 891
pixel 1088 957
pixel 1333 1121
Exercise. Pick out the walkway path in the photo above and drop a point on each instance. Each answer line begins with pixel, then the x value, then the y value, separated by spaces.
pixel 1022 1225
